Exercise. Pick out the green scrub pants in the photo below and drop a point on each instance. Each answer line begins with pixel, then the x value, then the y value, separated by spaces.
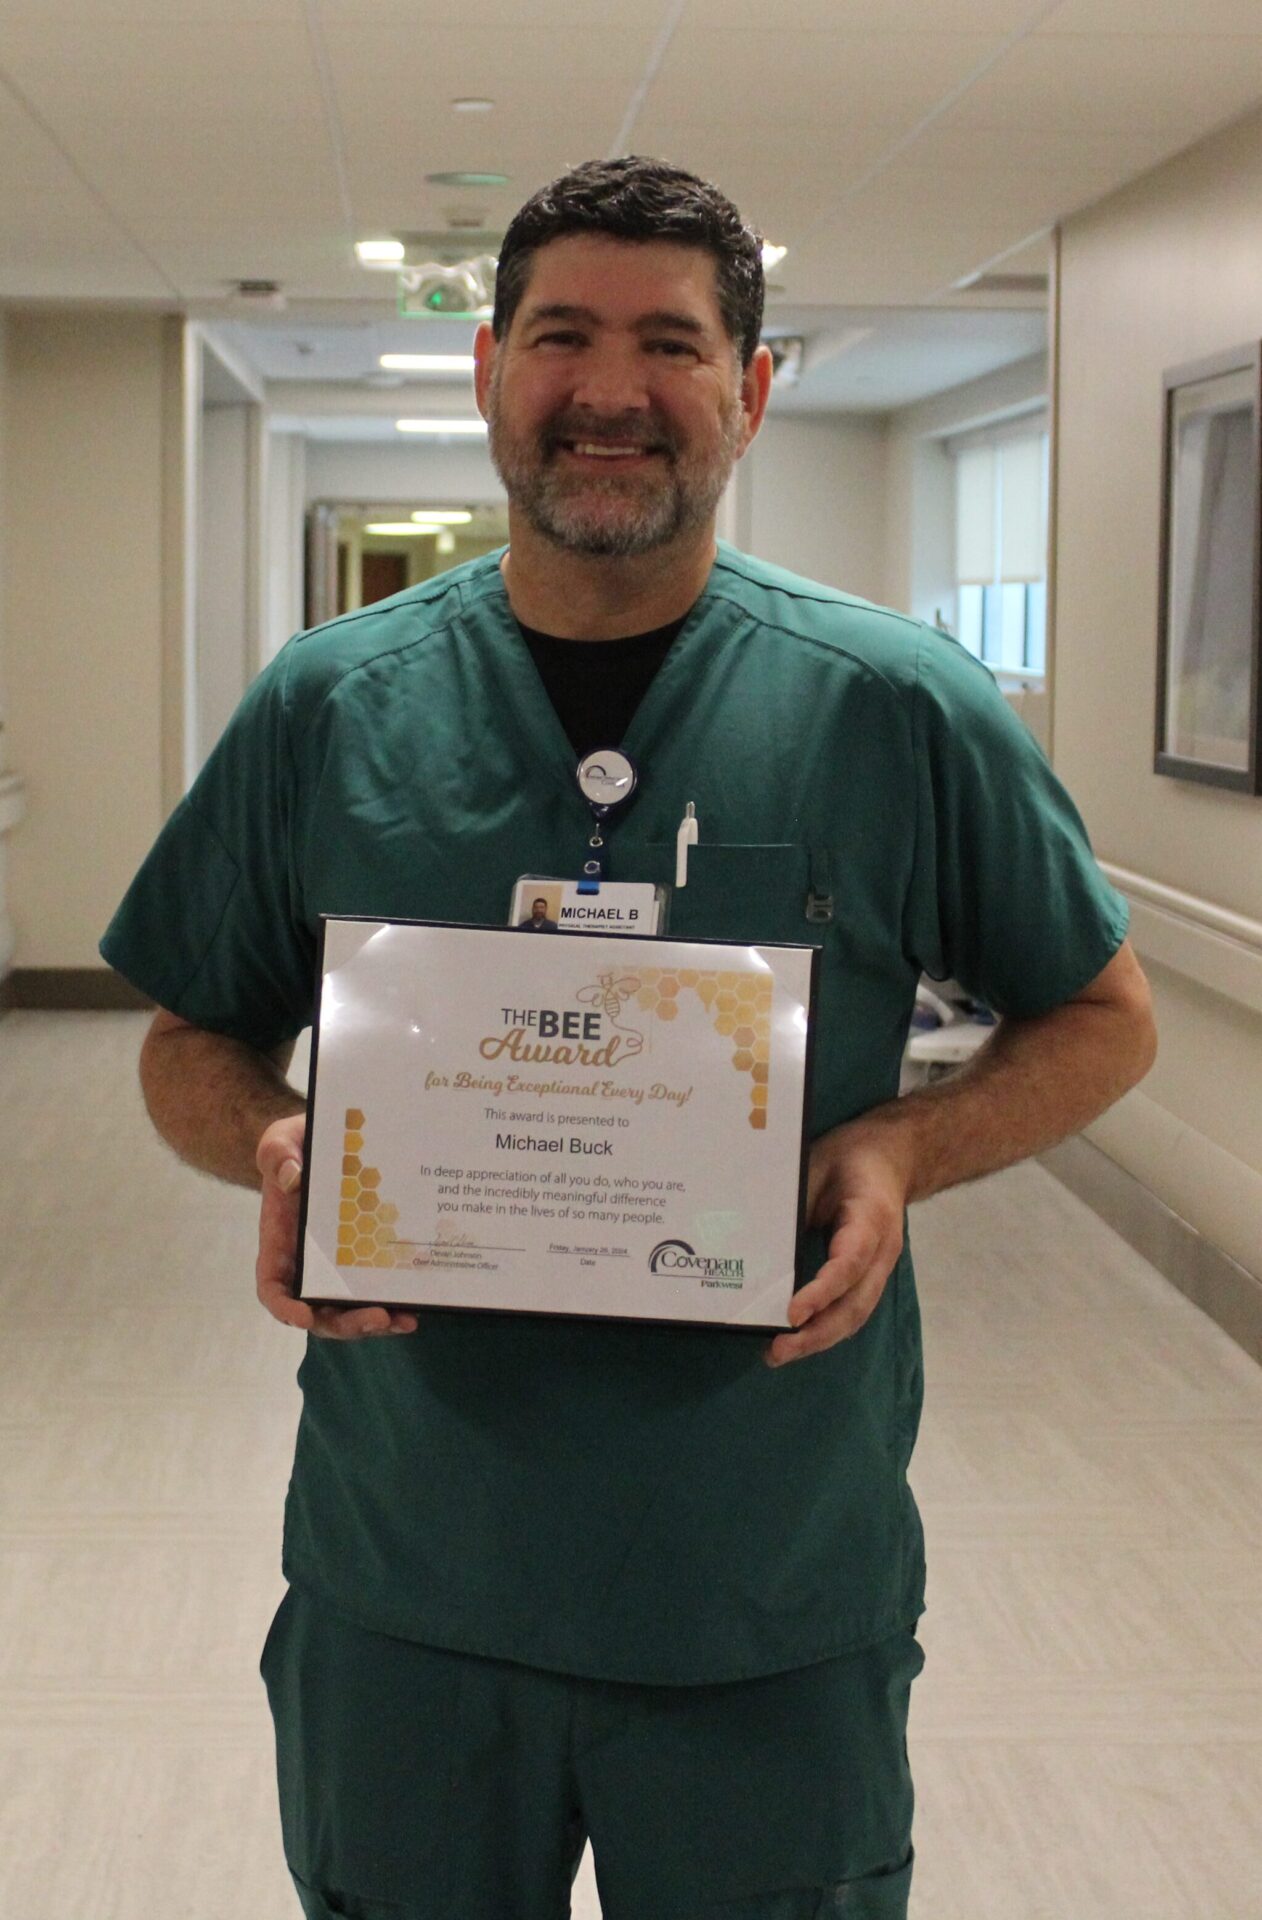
pixel 421 1784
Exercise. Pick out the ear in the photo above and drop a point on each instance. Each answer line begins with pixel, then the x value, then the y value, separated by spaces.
pixel 484 351
pixel 755 392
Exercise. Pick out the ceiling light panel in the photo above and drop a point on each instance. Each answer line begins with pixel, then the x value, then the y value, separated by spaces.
pixel 453 428
pixel 449 363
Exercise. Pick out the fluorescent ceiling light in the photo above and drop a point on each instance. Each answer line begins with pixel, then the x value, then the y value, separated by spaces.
pixel 379 253
pixel 441 426
pixel 397 527
pixel 772 256
pixel 470 105
pixel 428 362
pixel 443 516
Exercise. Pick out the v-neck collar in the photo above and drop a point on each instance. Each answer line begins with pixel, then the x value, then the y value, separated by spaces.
pixel 552 747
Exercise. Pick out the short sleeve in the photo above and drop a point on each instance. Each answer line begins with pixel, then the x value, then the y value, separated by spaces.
pixel 211 927
pixel 1006 896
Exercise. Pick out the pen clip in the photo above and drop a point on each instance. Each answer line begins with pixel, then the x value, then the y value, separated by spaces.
pixel 687 836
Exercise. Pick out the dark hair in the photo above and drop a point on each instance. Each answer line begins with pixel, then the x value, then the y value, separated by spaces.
pixel 639 200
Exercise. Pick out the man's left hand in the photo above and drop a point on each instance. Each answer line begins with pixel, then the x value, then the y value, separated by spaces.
pixel 857 1190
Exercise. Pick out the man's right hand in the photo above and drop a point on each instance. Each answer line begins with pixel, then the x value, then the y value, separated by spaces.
pixel 279 1157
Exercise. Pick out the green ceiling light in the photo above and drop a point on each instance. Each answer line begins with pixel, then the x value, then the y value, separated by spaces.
pixel 460 179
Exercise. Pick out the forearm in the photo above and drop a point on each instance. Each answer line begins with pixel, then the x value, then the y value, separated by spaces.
pixel 1034 1083
pixel 211 1098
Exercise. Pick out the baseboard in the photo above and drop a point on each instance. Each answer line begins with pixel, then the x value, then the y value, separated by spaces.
pixel 1210 1278
pixel 70 989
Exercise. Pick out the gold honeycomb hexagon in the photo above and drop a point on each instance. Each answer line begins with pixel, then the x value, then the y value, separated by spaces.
pixel 350 1163
pixel 347 1210
pixel 388 1214
pixel 726 1002
pixel 345 1257
pixel 364 1246
pixel 742 1059
pixel 370 1177
pixel 667 1009
pixel 350 1187
pixel 369 1202
pixel 758 1096
pixel 761 1071
pixel 668 986
pixel 353 1142
pixel 744 1036
pixel 758 1118
pixel 725 1023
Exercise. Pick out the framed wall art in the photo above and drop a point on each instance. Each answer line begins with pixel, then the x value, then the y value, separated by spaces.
pixel 1210 602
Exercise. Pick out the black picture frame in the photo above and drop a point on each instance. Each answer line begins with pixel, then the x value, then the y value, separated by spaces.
pixel 1209 619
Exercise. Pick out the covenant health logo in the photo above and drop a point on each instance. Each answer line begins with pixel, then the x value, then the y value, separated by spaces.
pixel 676 1256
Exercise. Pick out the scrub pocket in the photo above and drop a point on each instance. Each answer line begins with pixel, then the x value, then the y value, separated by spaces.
pixel 749 893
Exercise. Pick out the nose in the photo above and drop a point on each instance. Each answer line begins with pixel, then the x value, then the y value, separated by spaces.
pixel 612 379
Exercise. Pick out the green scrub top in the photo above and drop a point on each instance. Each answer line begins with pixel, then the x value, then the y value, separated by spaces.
pixel 640 1503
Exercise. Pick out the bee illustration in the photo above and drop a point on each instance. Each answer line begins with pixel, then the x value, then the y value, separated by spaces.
pixel 609 994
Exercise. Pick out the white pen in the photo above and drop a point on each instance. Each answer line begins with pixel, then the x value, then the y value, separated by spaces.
pixel 688 834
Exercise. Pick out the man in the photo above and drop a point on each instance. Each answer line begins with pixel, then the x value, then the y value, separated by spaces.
pixel 552 1578
pixel 537 920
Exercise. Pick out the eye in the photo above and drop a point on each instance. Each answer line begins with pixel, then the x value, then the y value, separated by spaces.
pixel 560 337
pixel 673 349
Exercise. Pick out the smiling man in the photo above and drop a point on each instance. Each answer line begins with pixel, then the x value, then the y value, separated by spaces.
pixel 552 1579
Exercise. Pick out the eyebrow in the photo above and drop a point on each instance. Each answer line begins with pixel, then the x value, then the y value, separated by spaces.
pixel 647 322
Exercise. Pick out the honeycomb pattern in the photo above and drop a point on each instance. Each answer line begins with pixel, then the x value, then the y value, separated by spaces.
pixel 365 1234
pixel 740 1007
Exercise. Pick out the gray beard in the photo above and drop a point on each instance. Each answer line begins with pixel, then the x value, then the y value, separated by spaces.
pixel 559 510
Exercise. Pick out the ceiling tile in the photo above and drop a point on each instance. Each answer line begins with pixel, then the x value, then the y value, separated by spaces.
pixel 55 237
pixel 256 68
pixel 825 81
pixel 1134 84
pixel 994 17
pixel 1187 18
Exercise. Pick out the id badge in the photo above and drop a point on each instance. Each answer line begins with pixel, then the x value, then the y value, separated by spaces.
pixel 544 905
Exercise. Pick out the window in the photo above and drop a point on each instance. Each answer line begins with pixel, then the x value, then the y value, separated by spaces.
pixel 1001 548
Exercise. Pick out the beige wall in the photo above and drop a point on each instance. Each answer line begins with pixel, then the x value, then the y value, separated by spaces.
pixel 1165 271
pixel 82 611
pixel 810 496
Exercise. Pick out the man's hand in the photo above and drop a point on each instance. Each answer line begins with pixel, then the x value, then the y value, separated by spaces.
pixel 1035 1081
pixel 857 1189
pixel 279 1159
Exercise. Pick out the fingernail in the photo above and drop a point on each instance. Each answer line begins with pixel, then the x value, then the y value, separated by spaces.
pixel 289 1176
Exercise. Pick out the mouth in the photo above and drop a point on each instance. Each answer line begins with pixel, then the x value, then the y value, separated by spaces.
pixel 610 453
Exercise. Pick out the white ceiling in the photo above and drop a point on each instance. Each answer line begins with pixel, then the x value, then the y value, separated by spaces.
pixel 161 150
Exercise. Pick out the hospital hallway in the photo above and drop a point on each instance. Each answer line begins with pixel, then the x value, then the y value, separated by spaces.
pixel 1086 1738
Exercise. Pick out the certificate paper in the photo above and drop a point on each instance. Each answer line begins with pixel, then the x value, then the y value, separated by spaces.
pixel 597 1125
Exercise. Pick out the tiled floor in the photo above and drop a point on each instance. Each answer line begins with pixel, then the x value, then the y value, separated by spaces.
pixel 1087 1736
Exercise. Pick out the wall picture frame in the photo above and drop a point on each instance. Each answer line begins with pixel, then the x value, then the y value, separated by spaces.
pixel 1208 721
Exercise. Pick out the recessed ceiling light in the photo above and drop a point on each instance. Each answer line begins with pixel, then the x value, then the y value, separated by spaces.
pixel 772 256
pixel 428 362
pixel 467 179
pixel 398 529
pixel 472 105
pixel 443 516
pixel 441 426
pixel 379 253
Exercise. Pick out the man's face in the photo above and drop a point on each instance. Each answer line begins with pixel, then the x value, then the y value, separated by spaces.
pixel 539 910
pixel 616 402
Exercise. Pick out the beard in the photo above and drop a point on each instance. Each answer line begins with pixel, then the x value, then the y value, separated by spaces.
pixel 616 514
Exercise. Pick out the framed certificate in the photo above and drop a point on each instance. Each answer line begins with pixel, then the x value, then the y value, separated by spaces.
pixel 599 1125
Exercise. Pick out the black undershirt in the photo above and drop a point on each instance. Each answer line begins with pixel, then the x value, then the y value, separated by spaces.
pixel 596 685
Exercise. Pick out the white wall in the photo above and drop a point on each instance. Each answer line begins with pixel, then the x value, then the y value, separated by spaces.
pixel 224 667
pixel 83 607
pixel 11 790
pixel 429 475
pixel 1168 270
pixel 285 510
pixel 810 496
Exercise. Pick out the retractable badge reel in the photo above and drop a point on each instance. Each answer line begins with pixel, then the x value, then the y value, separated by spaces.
pixel 606 779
